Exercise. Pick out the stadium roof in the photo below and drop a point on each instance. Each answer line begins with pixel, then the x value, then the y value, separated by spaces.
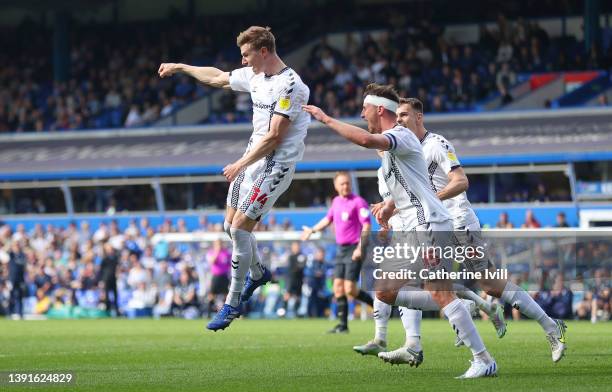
pixel 480 139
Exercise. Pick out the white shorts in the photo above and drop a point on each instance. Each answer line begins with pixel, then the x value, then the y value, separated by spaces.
pixel 421 238
pixel 471 235
pixel 440 236
pixel 256 189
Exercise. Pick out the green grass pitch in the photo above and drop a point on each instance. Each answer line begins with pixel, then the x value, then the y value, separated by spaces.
pixel 293 355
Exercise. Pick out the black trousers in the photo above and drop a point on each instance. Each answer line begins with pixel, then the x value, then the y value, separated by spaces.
pixel 16 299
pixel 111 287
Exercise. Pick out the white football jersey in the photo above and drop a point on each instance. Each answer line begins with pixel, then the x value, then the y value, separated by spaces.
pixel 441 158
pixel 405 173
pixel 283 94
pixel 395 221
pixel 382 185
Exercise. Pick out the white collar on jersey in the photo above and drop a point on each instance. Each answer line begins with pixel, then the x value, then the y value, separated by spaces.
pixel 381 101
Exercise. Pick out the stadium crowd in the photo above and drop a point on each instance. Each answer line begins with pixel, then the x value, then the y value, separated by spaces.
pixel 443 75
pixel 110 84
pixel 114 83
pixel 79 271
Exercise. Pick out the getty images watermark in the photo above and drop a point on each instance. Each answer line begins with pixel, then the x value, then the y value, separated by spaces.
pixel 540 258
pixel 431 257
pixel 405 258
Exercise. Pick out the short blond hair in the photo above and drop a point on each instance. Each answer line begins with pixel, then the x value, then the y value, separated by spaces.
pixel 258 37
pixel 342 173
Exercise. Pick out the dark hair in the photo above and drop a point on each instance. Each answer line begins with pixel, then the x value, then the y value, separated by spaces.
pixel 414 103
pixel 382 90
pixel 259 37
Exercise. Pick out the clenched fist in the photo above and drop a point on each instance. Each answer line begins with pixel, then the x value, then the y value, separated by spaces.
pixel 168 69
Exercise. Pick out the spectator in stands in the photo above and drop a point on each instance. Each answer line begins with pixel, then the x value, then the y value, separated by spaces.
pixel 124 91
pixel 17 271
pixel 506 97
pixel 43 302
pixel 185 300
pixel 541 194
pixel 503 222
pixel 319 296
pixel 60 268
pixel 219 260
pixel 137 274
pixel 108 278
pixel 162 276
pixel 556 302
pixel 561 220
pixel 530 221
pixel 602 100
pixel 504 52
pixel 601 297
pixel 295 278
pixel 142 301
pixel 163 307
pixel 486 41
pixel 5 295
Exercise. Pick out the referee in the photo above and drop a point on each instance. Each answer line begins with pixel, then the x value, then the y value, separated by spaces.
pixel 351 217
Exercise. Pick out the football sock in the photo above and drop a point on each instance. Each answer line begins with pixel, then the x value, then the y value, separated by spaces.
pixel 465 293
pixel 256 268
pixel 381 314
pixel 363 296
pixel 416 299
pixel 411 319
pixel 342 305
pixel 522 301
pixel 459 318
pixel 226 228
pixel 241 259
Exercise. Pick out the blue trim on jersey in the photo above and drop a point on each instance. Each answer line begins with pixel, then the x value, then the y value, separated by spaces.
pixel 392 141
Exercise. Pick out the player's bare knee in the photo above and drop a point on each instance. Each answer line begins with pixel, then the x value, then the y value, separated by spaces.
pixel 443 297
pixel 338 288
pixel 243 222
pixel 350 288
pixel 493 287
pixel 387 297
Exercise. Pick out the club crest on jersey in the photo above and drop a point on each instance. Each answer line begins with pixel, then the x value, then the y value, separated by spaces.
pixel 284 103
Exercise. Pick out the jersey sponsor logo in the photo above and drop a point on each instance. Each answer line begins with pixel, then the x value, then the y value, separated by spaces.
pixel 451 156
pixel 259 105
pixel 344 216
pixel 284 103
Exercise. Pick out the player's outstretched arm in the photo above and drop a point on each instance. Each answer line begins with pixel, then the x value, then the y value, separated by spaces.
pixel 457 184
pixel 210 76
pixel 279 127
pixel 354 134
